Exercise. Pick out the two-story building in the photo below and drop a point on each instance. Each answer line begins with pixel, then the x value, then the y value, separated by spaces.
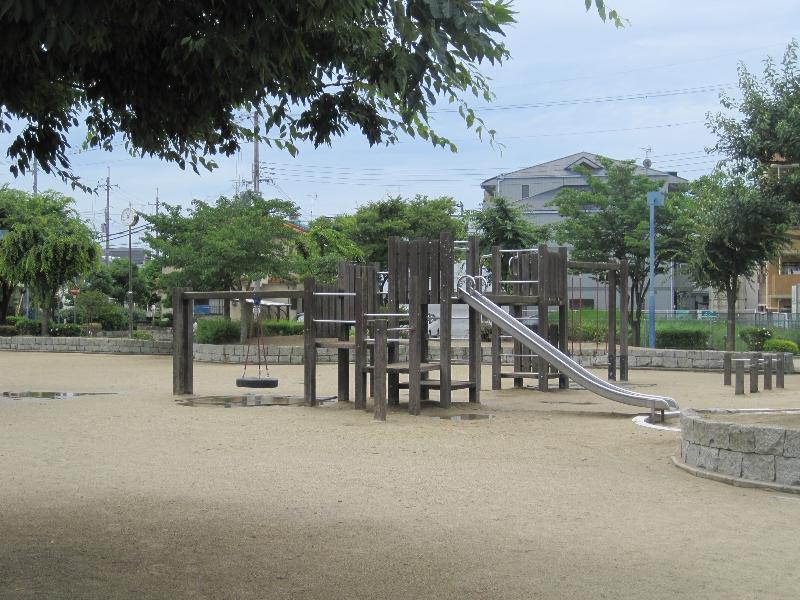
pixel 534 187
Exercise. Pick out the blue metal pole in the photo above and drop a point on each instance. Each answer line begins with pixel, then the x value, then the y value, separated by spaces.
pixel 651 303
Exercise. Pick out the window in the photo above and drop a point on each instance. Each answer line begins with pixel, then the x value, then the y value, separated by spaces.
pixel 526 191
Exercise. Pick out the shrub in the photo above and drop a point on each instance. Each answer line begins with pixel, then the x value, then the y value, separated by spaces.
pixel 217 331
pixel 143 335
pixel 12 319
pixel 691 338
pixel 777 345
pixel 8 330
pixel 283 327
pixel 65 329
pixel 754 337
pixel 28 327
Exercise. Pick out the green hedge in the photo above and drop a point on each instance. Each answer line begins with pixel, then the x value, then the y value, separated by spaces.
pixel 283 327
pixel 777 345
pixel 217 331
pixel 689 338
pixel 8 330
pixel 755 337
pixel 65 330
pixel 28 327
pixel 143 335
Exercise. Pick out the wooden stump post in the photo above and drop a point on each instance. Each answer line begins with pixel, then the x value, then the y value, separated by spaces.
pixel 767 372
pixel 779 370
pixel 474 319
pixel 623 320
pixel 726 368
pixel 739 391
pixel 612 325
pixel 754 375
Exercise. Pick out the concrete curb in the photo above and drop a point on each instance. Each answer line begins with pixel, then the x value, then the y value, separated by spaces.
pixel 735 481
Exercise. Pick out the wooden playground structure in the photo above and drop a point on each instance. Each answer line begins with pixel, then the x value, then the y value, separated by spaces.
pixel 379 319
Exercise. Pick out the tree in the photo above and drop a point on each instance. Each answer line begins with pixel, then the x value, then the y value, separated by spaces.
pixel 11 203
pixel 313 69
pixel 46 247
pixel 322 248
pixel 213 247
pixel 112 280
pixel 735 231
pixel 611 220
pixel 760 134
pixel 502 223
pixel 422 217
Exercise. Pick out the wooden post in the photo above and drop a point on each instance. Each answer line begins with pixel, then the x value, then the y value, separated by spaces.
pixel 182 363
pixel 754 374
pixel 246 310
pixel 379 372
pixel 623 320
pixel 309 342
pixel 544 304
pixel 394 301
pixel 415 345
pixel 361 335
pixel 497 345
pixel 563 314
pixel 779 370
pixel 739 391
pixel 767 372
pixel 612 325
pixel 726 368
pixel 474 319
pixel 445 318
pixel 517 349
pixel 344 284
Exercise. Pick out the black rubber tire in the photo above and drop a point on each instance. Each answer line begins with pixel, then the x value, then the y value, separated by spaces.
pixel 256 382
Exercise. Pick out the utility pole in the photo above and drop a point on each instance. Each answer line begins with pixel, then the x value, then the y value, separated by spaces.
pixel 108 219
pixel 35 176
pixel 256 166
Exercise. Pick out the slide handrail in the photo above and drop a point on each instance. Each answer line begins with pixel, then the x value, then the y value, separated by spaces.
pixel 477 301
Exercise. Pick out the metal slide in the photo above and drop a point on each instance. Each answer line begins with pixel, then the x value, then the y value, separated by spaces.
pixel 477 301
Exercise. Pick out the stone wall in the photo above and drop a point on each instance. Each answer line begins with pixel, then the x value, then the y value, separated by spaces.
pixel 644 358
pixel 23 343
pixel 739 451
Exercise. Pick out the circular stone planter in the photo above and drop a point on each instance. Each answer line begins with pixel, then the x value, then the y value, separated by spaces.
pixel 749 448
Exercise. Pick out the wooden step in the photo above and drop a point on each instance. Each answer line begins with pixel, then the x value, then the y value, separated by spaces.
pixel 435 384
pixel 403 367
pixel 341 345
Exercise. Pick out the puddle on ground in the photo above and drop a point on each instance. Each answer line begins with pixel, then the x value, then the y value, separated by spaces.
pixel 50 395
pixel 251 400
pixel 465 417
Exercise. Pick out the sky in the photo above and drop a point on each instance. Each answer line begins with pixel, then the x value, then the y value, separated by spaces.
pixel 573 83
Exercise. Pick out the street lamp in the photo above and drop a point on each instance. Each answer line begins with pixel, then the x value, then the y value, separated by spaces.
pixel 653 199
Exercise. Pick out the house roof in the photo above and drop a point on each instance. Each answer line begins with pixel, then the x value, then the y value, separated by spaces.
pixel 565 167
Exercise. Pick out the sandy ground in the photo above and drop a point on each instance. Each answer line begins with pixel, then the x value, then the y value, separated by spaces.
pixel 559 496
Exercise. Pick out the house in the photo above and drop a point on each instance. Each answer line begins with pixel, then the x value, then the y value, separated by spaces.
pixel 534 187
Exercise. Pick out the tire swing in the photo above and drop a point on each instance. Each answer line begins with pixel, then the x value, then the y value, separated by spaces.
pixel 257 382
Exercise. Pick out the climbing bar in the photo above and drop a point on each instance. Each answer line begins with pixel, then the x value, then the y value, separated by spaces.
pixel 342 321
pixel 401 329
pixel 519 281
pixel 334 293
pixel 389 340
pixel 385 315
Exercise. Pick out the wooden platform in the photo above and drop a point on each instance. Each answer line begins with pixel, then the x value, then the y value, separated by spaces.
pixel 341 345
pixel 526 375
pixel 435 384
pixel 403 367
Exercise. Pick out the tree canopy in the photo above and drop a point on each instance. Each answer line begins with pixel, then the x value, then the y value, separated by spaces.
pixel 611 220
pixel 322 248
pixel 502 223
pixel 112 280
pixel 760 133
pixel 421 217
pixel 169 79
pixel 214 246
pixel 735 230
pixel 46 247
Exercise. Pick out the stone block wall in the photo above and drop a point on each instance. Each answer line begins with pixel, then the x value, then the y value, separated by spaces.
pixel 750 452
pixel 23 343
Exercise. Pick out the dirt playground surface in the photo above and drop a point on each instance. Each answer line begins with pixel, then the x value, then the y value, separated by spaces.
pixel 559 496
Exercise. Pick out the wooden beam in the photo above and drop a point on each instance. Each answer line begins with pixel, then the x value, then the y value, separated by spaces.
pixel 309 343
pixel 379 370
pixel 244 294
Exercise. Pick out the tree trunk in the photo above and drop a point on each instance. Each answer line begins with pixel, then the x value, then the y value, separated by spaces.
pixel 45 320
pixel 730 335
pixel 6 289
pixel 226 309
